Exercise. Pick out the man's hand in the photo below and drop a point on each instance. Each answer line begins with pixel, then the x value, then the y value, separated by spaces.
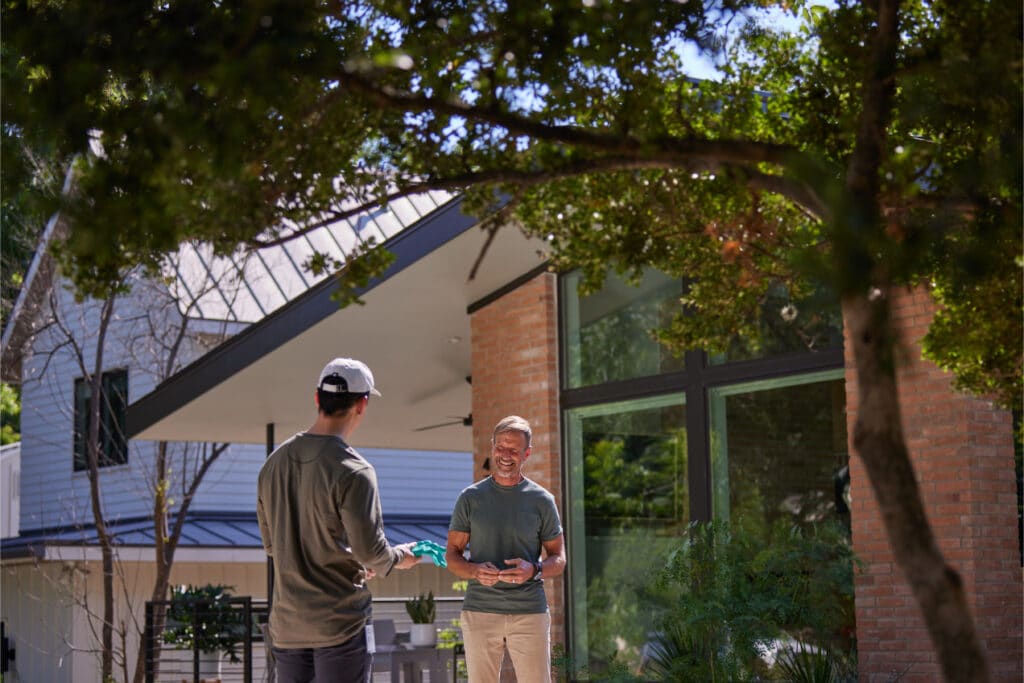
pixel 409 560
pixel 520 572
pixel 486 573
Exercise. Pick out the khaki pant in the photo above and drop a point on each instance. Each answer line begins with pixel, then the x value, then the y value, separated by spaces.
pixel 527 636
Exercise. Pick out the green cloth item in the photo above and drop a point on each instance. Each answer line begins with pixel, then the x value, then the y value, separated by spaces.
pixel 432 550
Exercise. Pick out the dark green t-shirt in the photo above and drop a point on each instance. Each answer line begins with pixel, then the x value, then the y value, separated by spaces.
pixel 503 523
pixel 320 519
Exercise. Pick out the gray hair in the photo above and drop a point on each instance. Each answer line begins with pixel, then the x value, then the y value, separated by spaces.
pixel 513 423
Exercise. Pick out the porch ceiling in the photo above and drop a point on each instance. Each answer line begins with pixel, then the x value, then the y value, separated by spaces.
pixel 413 332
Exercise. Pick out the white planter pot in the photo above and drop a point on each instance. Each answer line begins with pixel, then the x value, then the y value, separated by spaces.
pixel 209 666
pixel 422 635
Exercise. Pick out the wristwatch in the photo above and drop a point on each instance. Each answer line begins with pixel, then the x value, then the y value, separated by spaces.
pixel 538 571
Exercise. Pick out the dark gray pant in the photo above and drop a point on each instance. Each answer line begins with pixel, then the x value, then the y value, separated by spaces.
pixel 349 662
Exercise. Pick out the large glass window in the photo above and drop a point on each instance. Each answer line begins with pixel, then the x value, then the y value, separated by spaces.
pixel 629 501
pixel 778 449
pixel 113 443
pixel 607 335
pixel 650 442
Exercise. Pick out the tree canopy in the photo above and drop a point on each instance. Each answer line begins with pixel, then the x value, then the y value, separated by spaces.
pixel 246 123
pixel 854 146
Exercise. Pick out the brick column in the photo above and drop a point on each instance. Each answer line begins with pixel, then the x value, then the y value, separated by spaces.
pixel 962 451
pixel 515 372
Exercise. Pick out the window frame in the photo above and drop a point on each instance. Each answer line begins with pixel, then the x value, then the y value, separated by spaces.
pixel 701 374
pixel 113 420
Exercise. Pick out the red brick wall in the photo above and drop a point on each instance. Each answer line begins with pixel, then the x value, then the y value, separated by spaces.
pixel 515 372
pixel 961 448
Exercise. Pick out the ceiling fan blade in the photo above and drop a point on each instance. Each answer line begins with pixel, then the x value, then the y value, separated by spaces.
pixel 443 424
pixel 464 421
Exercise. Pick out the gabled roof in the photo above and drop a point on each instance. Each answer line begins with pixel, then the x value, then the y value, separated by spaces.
pixel 413 332
pixel 249 285
pixel 243 287
pixel 20 326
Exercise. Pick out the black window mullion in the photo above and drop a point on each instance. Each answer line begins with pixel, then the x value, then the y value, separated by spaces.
pixel 80 458
pixel 698 441
pixel 113 417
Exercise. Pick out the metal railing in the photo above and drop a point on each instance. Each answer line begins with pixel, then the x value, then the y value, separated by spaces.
pixel 177 655
pixel 203 641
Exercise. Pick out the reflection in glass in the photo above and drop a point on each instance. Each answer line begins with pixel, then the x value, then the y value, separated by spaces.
pixel 778 449
pixel 608 334
pixel 629 502
pixel 788 325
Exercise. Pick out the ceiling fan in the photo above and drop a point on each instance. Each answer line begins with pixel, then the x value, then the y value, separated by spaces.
pixel 466 421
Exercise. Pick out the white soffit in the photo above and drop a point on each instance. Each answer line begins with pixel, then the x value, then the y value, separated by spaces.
pixel 413 332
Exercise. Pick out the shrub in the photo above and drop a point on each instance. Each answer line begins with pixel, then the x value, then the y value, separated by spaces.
pixel 737 591
pixel 202 617
pixel 421 609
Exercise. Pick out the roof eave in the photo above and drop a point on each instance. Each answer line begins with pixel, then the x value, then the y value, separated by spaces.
pixel 432 231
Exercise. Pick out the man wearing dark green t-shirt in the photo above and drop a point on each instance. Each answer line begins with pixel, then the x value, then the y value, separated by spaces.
pixel 321 523
pixel 505 521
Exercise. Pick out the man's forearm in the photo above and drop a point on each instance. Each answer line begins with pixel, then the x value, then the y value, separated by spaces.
pixel 460 566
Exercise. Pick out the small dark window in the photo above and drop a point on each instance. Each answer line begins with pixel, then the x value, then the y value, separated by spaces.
pixel 113 445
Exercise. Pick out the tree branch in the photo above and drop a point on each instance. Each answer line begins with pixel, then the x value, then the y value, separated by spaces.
pixel 723 151
pixel 798 192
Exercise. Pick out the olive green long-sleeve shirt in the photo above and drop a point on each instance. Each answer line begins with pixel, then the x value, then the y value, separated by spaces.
pixel 320 518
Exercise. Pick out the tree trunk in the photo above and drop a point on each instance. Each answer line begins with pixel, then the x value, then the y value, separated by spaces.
pixel 878 440
pixel 102 533
pixel 167 538
pixel 163 556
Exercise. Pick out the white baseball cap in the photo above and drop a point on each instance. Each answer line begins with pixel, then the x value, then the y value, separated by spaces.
pixel 346 375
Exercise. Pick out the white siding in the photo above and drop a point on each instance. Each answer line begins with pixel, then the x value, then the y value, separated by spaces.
pixel 10 489
pixel 420 482
pixel 411 482
pixel 37 616
pixel 230 485
pixel 53 494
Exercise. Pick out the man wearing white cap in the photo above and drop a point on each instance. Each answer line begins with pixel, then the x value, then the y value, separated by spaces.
pixel 320 519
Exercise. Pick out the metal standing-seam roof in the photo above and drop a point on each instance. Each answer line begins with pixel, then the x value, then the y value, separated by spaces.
pixel 234 530
pixel 249 285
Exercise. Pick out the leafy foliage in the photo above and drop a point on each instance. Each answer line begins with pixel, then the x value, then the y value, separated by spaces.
pixel 804 664
pixel 874 145
pixel 421 608
pixel 738 590
pixel 29 185
pixel 10 414
pixel 242 123
pixel 203 617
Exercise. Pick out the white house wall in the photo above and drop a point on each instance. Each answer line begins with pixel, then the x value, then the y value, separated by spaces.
pixel 52 494
pixel 419 482
pixel 49 621
pixel 228 289
pixel 10 489
pixel 37 615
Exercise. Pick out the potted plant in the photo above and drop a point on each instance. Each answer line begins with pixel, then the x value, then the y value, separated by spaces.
pixel 202 618
pixel 422 611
